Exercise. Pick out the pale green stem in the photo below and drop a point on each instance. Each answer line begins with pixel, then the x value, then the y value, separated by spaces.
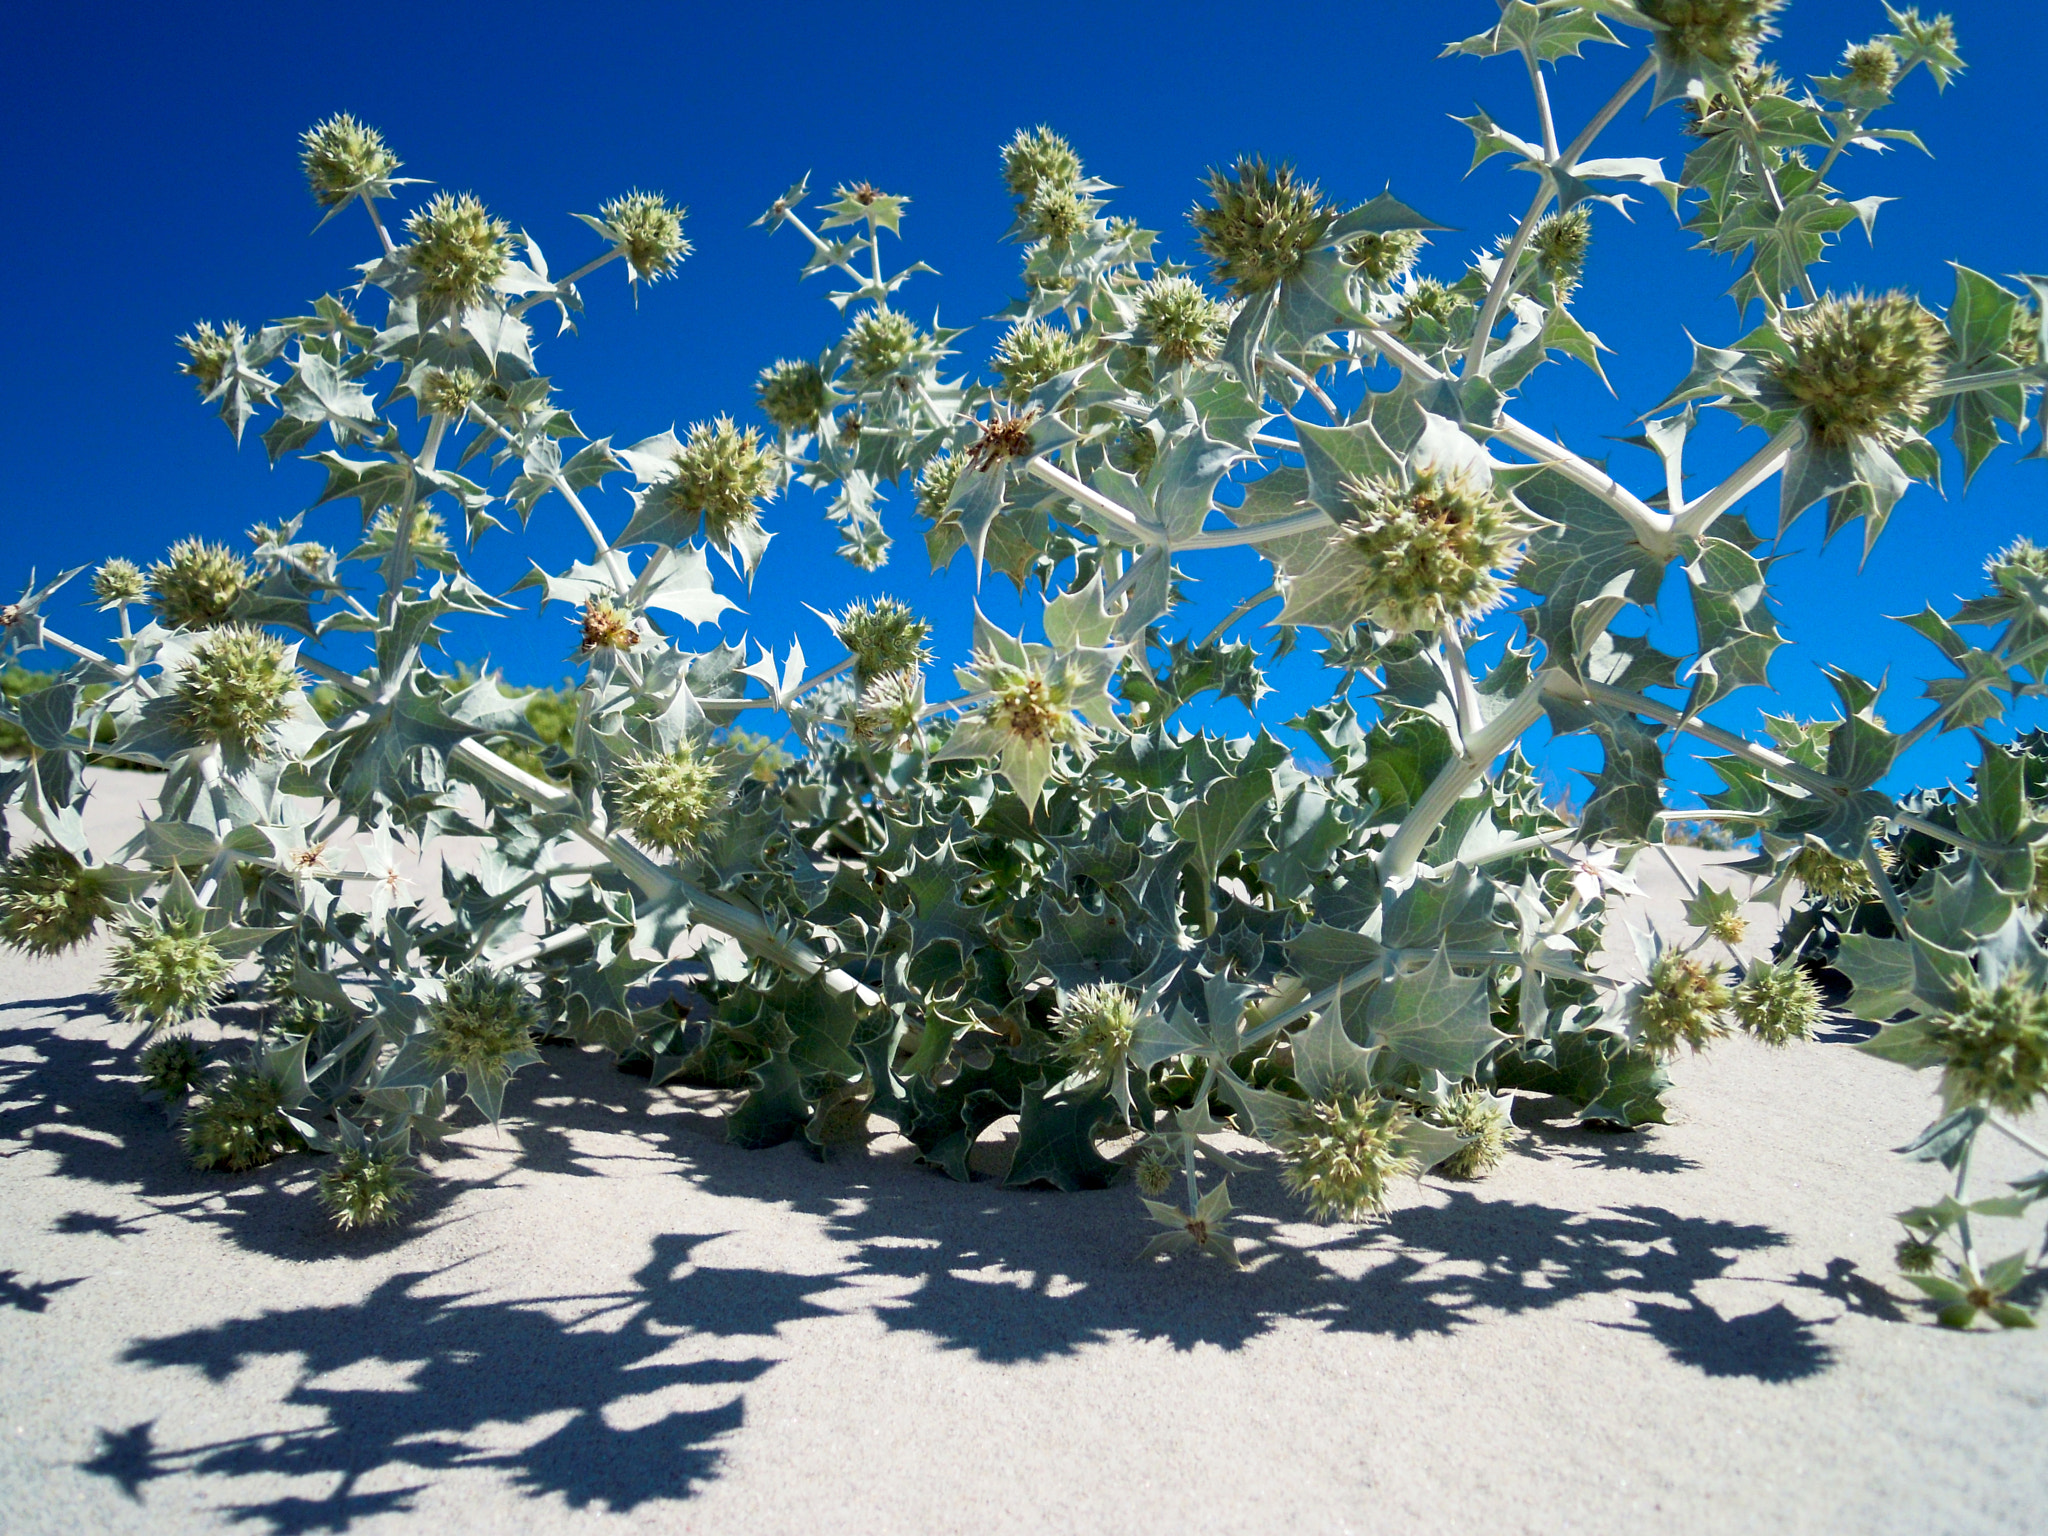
pixel 614 562
pixel 1542 91
pixel 1752 140
pixel 560 285
pixel 789 216
pixel 1968 381
pixel 824 676
pixel 2013 1133
pixel 1256 533
pixel 1761 465
pixel 383 235
pixel 1606 114
pixel 1653 528
pixel 1239 612
pixel 1052 475
pixel 1308 383
pixel 1457 776
pixel 1461 680
pixel 1504 280
pixel 1886 891
pixel 1678 719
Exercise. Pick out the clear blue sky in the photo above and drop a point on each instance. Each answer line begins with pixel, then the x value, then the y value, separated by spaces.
pixel 152 157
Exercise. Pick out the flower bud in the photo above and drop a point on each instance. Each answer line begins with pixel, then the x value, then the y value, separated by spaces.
pixel 2021 558
pixel 1154 1172
pixel 1994 1046
pixel 1386 257
pixel 164 975
pixel 483 1019
pixel 209 353
pixel 1725 33
pixel 1179 322
pixel 1684 1002
pixel 1871 68
pixel 880 342
pixel 1777 1003
pixel 196 584
pixel 1840 883
pixel 1429 301
pixel 720 470
pixel 884 636
pixel 1559 242
pixel 1343 1153
pixel 1057 215
pixel 792 394
pixel 1095 1023
pixel 668 800
pixel 1036 158
pixel 935 484
pixel 237 1123
pixel 429 533
pixel 1718 113
pixel 238 686
pixel 458 249
pixel 648 230
pixel 1032 352
pixel 49 902
pixel 366 1189
pixel 890 707
pixel 1482 1120
pixel 450 392
pixel 1864 369
pixel 171 1066
pixel 1915 1256
pixel 117 583
pixel 1419 556
pixel 1262 226
pixel 342 157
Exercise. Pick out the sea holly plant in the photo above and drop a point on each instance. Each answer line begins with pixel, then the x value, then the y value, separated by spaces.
pixel 1052 896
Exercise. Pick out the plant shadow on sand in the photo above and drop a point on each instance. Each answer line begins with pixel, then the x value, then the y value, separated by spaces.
pixel 558 1394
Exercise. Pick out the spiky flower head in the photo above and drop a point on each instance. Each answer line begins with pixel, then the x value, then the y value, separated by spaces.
pixel 1727 927
pixel 1864 368
pixel 451 392
pixel 1057 215
pixel 1994 1046
pixel 119 582
pixel 1003 437
pixel 1343 1154
pixel 238 686
pixel 1262 225
pixel 935 484
pixel 879 343
pixel 1871 68
pixel 1029 705
pixel 209 353
pixel 1428 300
pixel 1916 1256
pixel 237 1122
pixel 1423 554
pixel 1840 883
pixel 342 157
pixel 605 626
pixel 484 1019
pixel 1095 1023
pixel 1038 157
pixel 2021 558
pixel 1032 353
pixel 668 799
pixel 49 902
pixel 1385 257
pixel 196 584
pixel 792 394
pixel 1559 243
pixel 720 471
pixel 164 975
pixel 1718 113
pixel 458 249
pixel 1684 1002
pixel 1180 322
pixel 1482 1119
pixel 1778 1003
pixel 890 706
pixel 648 230
pixel 171 1066
pixel 884 635
pixel 1154 1172
pixel 1723 33
pixel 429 535
pixel 366 1189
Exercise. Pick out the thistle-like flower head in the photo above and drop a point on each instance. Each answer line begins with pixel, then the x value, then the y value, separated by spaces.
pixel 1261 224
pixel 237 1122
pixel 1036 158
pixel 1154 1172
pixel 1180 322
pixel 883 635
pixel 1870 68
pixel 119 582
pixel 429 535
pixel 1095 1023
pixel 458 249
pixel 238 687
pixel 171 1066
pixel 1482 1119
pixel 935 482
pixel 49 902
pixel 342 157
pixel 605 626
pixel 196 584
pixel 484 1019
pixel 1057 215
pixel 1840 883
pixel 366 1188
pixel 1684 1002
pixel 1778 1003
pixel 1002 438
pixel 879 343
pixel 1344 1153
pixel 648 230
pixel 1994 1046
pixel 1915 1256
pixel 450 392
pixel 1385 257
pixel 164 975
pixel 2021 558
pixel 792 394
pixel 1863 368
pixel 1719 113
pixel 889 707
pixel 668 799
pixel 1032 352
pixel 1428 301
pixel 209 353
pixel 720 471
pixel 1559 243
pixel 1723 33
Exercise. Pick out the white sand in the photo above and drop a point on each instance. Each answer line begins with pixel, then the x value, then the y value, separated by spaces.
pixel 606 1318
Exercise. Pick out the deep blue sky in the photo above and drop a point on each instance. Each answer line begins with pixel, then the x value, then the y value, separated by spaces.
pixel 152 153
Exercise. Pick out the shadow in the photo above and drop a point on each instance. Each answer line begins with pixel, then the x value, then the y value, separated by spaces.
pixel 1771 1345
pixel 89 1224
pixel 1839 1028
pixel 32 1297
pixel 533 1389
pixel 1842 1281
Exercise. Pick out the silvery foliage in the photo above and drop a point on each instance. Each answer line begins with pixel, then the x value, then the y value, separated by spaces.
pixel 912 921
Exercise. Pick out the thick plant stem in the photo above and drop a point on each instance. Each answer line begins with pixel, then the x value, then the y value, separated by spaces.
pixel 1606 114
pixel 1504 280
pixel 1398 859
pixel 1243 608
pixel 1886 891
pixel 1761 465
